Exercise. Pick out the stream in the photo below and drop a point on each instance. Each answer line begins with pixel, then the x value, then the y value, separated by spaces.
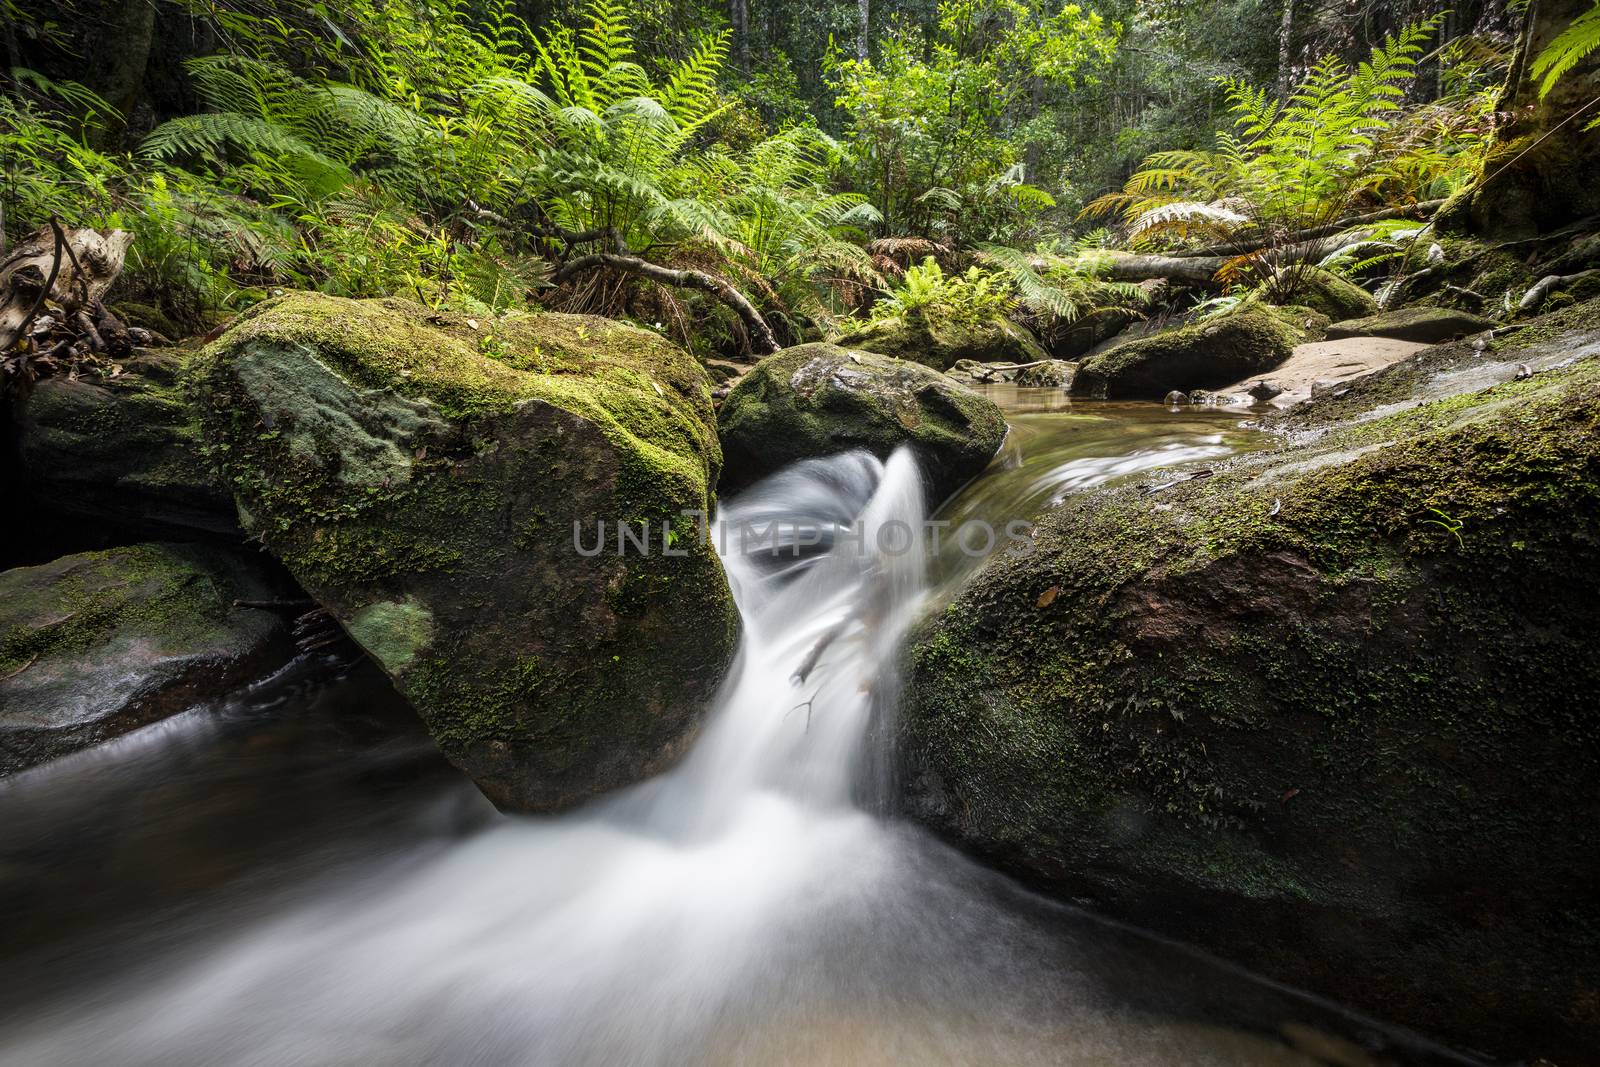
pixel 294 876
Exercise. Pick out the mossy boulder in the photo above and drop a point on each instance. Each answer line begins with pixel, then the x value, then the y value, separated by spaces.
pixel 939 344
pixel 1428 325
pixel 430 479
pixel 819 399
pixel 1330 712
pixel 97 644
pixel 124 450
pixel 1208 354
pixel 1333 296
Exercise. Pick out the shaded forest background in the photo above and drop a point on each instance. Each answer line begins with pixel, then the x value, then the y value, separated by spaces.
pixel 746 175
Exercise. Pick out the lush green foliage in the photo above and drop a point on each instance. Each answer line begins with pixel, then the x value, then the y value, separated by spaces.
pixel 451 152
pixel 931 118
pixel 1290 165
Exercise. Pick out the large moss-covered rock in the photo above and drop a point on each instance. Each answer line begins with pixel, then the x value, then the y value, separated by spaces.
pixel 124 450
pixel 1428 325
pixel 1333 296
pixel 1330 712
pixel 429 478
pixel 1205 355
pixel 940 344
pixel 819 399
pixel 97 644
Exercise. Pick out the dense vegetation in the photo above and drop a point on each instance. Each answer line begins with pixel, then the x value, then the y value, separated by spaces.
pixel 745 177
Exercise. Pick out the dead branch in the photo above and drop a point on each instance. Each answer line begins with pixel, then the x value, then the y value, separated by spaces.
pixel 11 280
pixel 69 269
pixel 762 339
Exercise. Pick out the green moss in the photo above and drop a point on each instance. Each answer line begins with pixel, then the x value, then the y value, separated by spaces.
pixel 1333 296
pixel 1292 691
pixel 394 631
pixel 410 466
pixel 820 399
pixel 612 375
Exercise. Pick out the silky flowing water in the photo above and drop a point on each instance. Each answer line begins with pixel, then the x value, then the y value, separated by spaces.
pixel 295 877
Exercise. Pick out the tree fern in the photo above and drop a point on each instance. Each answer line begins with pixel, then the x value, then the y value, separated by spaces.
pixel 1569 48
pixel 1286 165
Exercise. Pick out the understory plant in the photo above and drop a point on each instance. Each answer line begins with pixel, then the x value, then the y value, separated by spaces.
pixel 1288 171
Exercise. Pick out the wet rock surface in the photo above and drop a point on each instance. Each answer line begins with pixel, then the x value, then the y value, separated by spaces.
pixel 1272 711
pixel 96 644
pixel 1205 355
pixel 125 450
pixel 820 399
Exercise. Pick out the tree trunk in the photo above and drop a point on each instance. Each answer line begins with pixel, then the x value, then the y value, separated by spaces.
pixel 863 38
pixel 739 15
pixel 1202 270
pixel 119 51
pixel 1286 51
pixel 1539 173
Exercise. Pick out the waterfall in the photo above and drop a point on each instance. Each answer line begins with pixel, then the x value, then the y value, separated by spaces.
pixel 828 566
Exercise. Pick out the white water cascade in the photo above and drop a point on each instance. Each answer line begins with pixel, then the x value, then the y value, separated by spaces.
pixel 743 908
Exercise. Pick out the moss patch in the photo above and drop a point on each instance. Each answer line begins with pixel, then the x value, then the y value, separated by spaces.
pixel 1333 296
pixel 95 644
pixel 941 345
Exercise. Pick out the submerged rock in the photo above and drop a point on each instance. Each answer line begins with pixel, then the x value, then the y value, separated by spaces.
pixel 1425 324
pixel 124 450
pixel 819 399
pixel 1329 712
pixel 940 345
pixel 430 479
pixel 97 644
pixel 1205 355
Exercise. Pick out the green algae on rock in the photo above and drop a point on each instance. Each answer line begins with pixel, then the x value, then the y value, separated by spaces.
pixel 1208 354
pixel 919 339
pixel 97 644
pixel 820 399
pixel 1276 711
pixel 430 479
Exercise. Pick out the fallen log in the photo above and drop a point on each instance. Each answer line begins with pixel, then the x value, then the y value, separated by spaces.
pixel 762 339
pixel 1202 271
pixel 1244 245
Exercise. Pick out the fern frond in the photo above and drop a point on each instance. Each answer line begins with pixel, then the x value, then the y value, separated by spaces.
pixel 1568 49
